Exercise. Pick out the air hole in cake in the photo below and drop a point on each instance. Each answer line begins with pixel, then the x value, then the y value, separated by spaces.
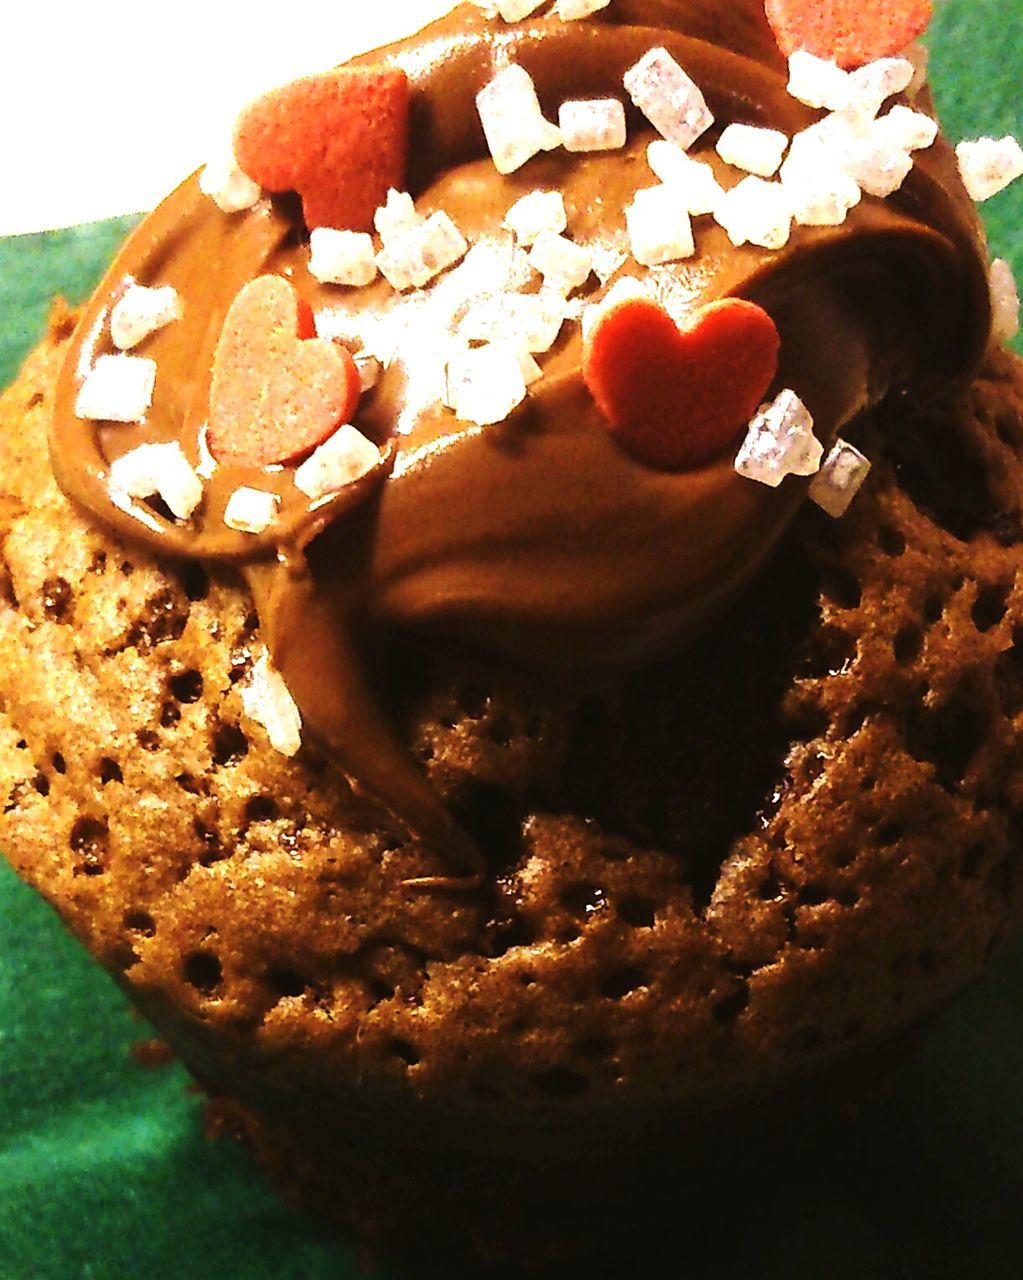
pixel 559 1082
pixel 907 644
pixel 508 931
pixel 98 563
pixel 7 592
pixel 970 863
pixel 833 653
pixel 229 745
pixel 162 621
pixel 493 819
pixel 58 762
pixel 637 912
pixel 501 730
pixel 890 833
pixel 285 983
pixel 186 686
pixel 148 739
pixel 188 784
pixel 1008 676
pixel 42 784
pixel 211 848
pixel 617 985
pixel 596 1048
pixel 405 1051
pixel 260 809
pixel 990 606
pixel 195 581
pixel 140 922
pixel 57 599
pixel 890 540
pixel 34 400
pixel 170 715
pixel 109 770
pixel 88 840
pixel 473 701
pixel 582 899
pixel 934 608
pixel 842 588
pixel 728 1009
pixel 241 661
pixel 947 736
pixel 202 970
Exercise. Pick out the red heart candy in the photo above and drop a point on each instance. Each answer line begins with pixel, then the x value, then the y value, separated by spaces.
pixel 276 393
pixel 339 139
pixel 674 398
pixel 849 32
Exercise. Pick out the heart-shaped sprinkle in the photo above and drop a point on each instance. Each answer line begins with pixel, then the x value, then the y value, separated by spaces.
pixel 339 139
pixel 674 398
pixel 849 32
pixel 276 391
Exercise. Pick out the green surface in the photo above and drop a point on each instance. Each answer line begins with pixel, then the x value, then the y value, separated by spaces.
pixel 104 1173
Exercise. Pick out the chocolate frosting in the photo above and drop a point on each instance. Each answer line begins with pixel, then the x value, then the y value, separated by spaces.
pixel 539 537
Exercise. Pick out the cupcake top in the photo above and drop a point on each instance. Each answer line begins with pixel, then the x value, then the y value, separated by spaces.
pixel 533 330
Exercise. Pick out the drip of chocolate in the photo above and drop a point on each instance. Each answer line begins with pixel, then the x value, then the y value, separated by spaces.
pixel 538 537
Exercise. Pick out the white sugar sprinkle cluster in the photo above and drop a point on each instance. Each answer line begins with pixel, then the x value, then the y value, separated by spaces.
pixel 840 479
pixel 227 186
pixel 157 470
pixel 267 700
pixel 989 165
pixel 692 181
pixel 534 213
pixel 668 98
pixel 596 124
pixel 749 147
pixel 513 124
pixel 564 265
pixel 251 510
pixel 780 442
pixel 1004 302
pixel 484 384
pixel 341 257
pixel 516 10
pixel 141 311
pixel 117 389
pixel 818 82
pixel 756 212
pixel 659 227
pixel 573 10
pixel 529 322
pixel 419 254
pixel 345 457
pixel 395 216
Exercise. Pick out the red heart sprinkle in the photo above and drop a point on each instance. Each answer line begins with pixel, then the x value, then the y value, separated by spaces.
pixel 849 32
pixel 339 139
pixel 674 398
pixel 276 393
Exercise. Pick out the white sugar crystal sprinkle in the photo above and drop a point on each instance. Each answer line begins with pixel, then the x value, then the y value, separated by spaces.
pixel 1004 301
pixel 535 212
pixel 756 212
pixel 341 257
pixel 531 371
pixel 880 169
pixel 267 700
pixel 516 10
pixel 415 258
pixel 157 469
pixel 780 442
pixel 251 510
pixel 223 181
pixel 988 165
pixel 528 321
pixel 668 98
pixel 692 180
pixel 484 384
pixel 623 289
pixel 749 147
pixel 117 389
pixel 395 216
pixel 817 82
pixel 821 199
pixel 875 82
pixel 572 10
pixel 905 128
pixel 839 479
pixel 564 265
pixel 141 311
pixel 596 124
pixel 341 460
pixel 513 124
pixel 659 227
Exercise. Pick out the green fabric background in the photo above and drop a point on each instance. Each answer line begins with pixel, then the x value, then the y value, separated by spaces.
pixel 105 1175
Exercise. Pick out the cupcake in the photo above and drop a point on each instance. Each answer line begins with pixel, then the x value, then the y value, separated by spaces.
pixel 511 646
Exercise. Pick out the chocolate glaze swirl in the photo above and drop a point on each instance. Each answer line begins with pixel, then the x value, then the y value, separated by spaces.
pixel 537 537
